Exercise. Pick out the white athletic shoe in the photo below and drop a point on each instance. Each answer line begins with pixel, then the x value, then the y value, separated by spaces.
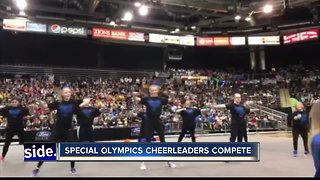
pixel 35 172
pixel 73 171
pixel 143 166
pixel 171 165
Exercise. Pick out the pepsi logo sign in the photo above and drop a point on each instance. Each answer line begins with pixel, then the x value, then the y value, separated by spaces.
pixel 55 28
pixel 74 31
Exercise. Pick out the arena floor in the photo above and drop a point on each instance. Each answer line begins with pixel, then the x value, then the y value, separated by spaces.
pixel 276 161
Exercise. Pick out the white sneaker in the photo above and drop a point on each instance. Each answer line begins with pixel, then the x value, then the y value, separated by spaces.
pixel 73 171
pixel 143 166
pixel 170 164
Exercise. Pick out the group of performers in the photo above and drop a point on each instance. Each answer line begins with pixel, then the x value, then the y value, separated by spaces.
pixel 150 113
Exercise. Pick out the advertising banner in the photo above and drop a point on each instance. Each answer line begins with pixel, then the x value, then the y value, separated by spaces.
pixel 67 30
pixel 36 27
pixel 14 24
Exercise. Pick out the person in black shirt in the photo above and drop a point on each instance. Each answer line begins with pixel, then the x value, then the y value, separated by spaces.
pixel 154 104
pixel 188 115
pixel 15 115
pixel 66 108
pixel 238 121
pixel 85 117
pixel 300 126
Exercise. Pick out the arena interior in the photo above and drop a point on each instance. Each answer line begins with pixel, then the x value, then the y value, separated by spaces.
pixel 201 51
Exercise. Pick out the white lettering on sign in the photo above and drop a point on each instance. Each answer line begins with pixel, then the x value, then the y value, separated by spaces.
pixel 98 32
pixel 119 34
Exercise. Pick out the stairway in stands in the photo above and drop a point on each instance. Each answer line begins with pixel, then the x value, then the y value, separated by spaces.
pixel 284 98
pixel 280 117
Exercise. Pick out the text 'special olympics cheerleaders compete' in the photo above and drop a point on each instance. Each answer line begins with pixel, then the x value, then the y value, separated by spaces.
pixel 246 152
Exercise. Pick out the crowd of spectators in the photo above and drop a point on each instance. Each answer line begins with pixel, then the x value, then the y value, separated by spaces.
pixel 206 88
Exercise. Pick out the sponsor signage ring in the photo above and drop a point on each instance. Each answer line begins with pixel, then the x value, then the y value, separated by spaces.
pixel 56 28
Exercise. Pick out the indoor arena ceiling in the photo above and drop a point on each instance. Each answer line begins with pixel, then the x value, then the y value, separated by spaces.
pixel 188 16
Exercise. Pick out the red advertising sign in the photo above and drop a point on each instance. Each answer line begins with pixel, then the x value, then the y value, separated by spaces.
pixel 302 36
pixel 312 34
pixel 101 33
pixel 136 36
pixel 117 34
pixel 204 41
pixel 291 38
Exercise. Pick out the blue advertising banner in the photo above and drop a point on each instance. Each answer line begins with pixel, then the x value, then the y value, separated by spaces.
pixel 36 27
pixel 159 152
pixel 248 152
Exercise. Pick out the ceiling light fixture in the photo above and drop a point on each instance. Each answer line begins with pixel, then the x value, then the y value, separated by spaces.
pixel 143 10
pixel 137 4
pixel 237 17
pixel 21 4
pixel 267 8
pixel 127 16
pixel 112 23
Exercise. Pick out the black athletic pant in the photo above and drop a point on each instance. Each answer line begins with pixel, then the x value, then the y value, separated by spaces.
pixel 304 134
pixel 237 131
pixel 151 125
pixel 185 129
pixel 59 136
pixel 86 134
pixel 245 135
pixel 142 132
pixel 10 132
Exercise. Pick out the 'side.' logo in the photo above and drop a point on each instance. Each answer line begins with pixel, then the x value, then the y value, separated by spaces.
pixel 40 152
